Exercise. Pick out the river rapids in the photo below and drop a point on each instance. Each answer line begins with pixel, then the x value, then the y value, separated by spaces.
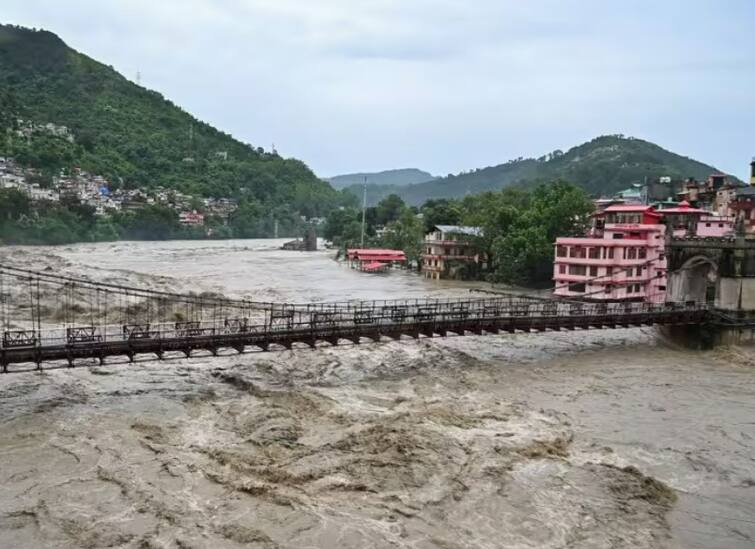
pixel 592 439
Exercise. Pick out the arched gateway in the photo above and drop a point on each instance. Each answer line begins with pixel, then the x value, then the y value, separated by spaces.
pixel 695 280
pixel 720 272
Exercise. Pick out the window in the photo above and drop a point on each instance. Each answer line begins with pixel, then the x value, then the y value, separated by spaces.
pixel 637 288
pixel 579 270
pixel 562 269
pixel 609 289
pixel 610 253
pixel 630 289
pixel 593 271
pixel 561 251
pixel 631 253
pixel 618 236
pixel 593 253
pixel 661 256
pixel 638 271
pixel 708 225
pixel 642 253
pixel 662 288
pixel 609 271
pixel 578 252
pixel 577 287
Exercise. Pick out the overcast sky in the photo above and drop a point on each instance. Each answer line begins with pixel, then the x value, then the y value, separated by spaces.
pixel 442 85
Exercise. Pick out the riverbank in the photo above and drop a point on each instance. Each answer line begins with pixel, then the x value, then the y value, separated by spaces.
pixel 583 439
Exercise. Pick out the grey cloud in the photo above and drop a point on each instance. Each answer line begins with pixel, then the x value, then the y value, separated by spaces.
pixel 441 84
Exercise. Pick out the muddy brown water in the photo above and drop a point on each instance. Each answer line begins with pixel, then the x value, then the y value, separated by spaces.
pixel 595 439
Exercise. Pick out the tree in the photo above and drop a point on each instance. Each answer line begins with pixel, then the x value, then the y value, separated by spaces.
pixel 336 222
pixel 152 222
pixel 406 233
pixel 13 204
pixel 245 221
pixel 441 212
pixel 389 209
pixel 523 252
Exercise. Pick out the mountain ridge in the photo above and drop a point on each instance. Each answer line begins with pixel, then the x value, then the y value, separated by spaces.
pixel 398 177
pixel 603 165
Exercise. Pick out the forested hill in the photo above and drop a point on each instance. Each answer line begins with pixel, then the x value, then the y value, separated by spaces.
pixel 400 177
pixel 131 135
pixel 602 166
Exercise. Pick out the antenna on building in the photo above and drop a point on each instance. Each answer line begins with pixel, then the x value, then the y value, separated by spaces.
pixel 364 209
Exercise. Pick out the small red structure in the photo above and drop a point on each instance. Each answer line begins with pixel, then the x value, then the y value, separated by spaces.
pixel 374 260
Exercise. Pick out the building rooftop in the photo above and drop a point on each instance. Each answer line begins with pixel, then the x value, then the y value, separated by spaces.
pixel 683 208
pixel 746 192
pixel 461 229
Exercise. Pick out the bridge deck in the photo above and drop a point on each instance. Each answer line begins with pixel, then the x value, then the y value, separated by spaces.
pixel 286 326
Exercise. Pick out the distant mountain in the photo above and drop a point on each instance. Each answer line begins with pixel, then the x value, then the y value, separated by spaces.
pixel 399 178
pixel 602 166
pixel 134 136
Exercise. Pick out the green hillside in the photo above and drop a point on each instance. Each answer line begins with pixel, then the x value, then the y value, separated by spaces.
pixel 400 177
pixel 602 166
pixel 133 136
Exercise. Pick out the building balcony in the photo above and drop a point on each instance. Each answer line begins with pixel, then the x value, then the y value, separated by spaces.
pixel 449 257
pixel 447 242
pixel 584 242
pixel 605 262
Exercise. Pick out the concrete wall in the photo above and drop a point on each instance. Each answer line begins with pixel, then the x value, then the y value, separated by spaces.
pixel 734 294
pixel 735 336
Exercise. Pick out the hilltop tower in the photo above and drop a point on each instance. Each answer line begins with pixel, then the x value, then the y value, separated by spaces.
pixel 752 172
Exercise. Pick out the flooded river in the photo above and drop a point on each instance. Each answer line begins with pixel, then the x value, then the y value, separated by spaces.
pixel 594 439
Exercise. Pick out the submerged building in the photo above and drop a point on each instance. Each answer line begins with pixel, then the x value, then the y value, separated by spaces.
pixel 451 251
pixel 374 259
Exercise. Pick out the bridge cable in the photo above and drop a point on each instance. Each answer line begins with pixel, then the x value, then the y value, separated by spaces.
pixel 39 314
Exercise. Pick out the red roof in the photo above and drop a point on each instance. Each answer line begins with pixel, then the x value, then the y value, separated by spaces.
pixel 379 251
pixel 683 208
pixel 630 208
pixel 374 266
pixel 368 254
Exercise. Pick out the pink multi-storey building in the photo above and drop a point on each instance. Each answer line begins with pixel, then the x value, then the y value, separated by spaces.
pixel 622 258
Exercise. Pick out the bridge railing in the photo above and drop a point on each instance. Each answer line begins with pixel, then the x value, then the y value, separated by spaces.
pixel 323 320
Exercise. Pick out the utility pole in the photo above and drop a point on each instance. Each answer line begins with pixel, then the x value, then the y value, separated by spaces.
pixel 364 208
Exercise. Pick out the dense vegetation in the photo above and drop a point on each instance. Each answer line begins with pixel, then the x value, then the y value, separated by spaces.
pixel 519 227
pixel 398 178
pixel 602 166
pixel 135 137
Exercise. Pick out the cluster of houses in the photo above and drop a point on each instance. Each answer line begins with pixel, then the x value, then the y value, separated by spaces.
pixel 622 256
pixel 27 128
pixel 96 191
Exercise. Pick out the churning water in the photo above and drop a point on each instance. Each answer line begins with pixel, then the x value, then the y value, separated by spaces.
pixel 585 439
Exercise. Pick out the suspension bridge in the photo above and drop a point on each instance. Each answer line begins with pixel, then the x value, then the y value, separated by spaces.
pixel 52 320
